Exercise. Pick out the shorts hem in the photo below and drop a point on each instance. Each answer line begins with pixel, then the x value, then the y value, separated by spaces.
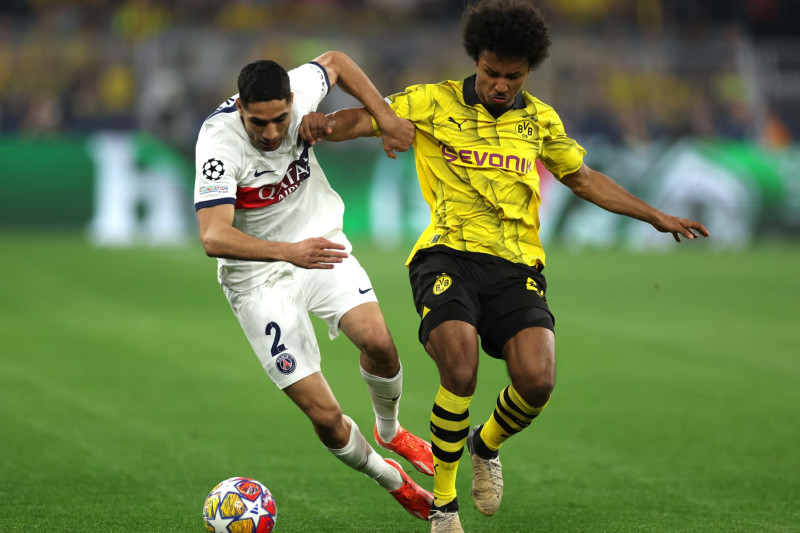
pixel 294 378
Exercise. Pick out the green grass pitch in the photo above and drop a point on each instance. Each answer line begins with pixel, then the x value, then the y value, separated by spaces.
pixel 127 391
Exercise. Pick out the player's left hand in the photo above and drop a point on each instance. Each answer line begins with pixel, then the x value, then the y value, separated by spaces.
pixel 314 127
pixel 397 134
pixel 678 226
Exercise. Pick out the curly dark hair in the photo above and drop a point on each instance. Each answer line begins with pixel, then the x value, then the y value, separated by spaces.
pixel 262 81
pixel 509 28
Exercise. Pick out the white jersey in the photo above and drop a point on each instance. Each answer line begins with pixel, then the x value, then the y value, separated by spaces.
pixel 281 195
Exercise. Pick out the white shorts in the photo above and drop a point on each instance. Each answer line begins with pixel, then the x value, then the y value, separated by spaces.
pixel 275 319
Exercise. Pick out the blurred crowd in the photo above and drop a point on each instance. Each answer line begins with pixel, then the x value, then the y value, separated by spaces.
pixel 622 71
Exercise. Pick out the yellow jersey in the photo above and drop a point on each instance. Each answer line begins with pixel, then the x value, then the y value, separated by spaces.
pixel 477 172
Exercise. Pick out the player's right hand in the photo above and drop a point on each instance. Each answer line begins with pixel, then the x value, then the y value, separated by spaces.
pixel 314 127
pixel 316 252
pixel 678 226
pixel 397 135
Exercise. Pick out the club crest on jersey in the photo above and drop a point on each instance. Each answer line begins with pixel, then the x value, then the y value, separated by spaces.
pixel 442 283
pixel 285 363
pixel 213 169
pixel 525 128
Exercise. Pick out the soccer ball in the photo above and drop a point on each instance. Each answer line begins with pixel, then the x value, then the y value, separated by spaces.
pixel 239 505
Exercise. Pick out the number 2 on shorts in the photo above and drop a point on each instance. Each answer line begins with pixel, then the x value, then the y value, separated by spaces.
pixel 277 347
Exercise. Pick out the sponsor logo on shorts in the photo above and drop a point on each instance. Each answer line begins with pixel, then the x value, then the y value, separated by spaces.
pixel 285 363
pixel 443 283
pixel 209 189
pixel 531 285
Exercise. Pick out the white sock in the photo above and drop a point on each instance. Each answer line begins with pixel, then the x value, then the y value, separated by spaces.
pixel 359 455
pixel 385 394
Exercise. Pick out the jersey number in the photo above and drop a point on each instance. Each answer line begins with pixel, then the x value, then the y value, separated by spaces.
pixel 277 347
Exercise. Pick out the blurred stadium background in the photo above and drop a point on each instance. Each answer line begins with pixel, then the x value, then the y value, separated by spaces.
pixel 119 358
pixel 693 105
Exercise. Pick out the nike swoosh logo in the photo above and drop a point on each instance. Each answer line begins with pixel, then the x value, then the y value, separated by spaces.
pixel 364 291
pixel 257 173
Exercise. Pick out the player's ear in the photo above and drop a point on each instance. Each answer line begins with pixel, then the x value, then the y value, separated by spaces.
pixel 239 105
pixel 291 98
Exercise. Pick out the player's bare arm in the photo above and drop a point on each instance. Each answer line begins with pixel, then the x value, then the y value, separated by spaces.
pixel 221 239
pixel 341 125
pixel 601 190
pixel 342 70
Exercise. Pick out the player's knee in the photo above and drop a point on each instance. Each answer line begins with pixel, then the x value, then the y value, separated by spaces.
pixel 459 380
pixel 379 347
pixel 536 391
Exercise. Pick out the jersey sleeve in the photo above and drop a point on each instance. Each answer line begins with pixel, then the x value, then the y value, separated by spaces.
pixel 561 155
pixel 217 164
pixel 310 84
pixel 410 104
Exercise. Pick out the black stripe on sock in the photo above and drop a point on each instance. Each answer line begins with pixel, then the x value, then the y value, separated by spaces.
pixel 507 397
pixel 448 435
pixel 446 457
pixel 521 423
pixel 502 423
pixel 444 414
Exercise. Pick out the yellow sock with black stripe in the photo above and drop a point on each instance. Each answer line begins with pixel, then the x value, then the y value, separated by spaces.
pixel 511 415
pixel 449 430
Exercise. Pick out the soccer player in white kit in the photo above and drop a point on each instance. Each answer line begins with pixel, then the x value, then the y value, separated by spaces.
pixel 266 211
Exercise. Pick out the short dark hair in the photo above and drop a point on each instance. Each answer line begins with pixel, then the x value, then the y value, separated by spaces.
pixel 509 28
pixel 262 81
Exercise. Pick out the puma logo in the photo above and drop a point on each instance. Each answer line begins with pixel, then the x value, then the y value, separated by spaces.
pixel 451 119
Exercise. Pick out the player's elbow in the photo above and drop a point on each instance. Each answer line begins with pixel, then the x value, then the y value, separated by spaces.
pixel 580 188
pixel 333 56
pixel 210 247
pixel 332 61
pixel 579 182
pixel 212 243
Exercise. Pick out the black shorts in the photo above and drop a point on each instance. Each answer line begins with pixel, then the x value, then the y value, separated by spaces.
pixel 498 297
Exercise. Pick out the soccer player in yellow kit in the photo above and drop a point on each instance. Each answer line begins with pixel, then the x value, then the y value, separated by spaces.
pixel 476 270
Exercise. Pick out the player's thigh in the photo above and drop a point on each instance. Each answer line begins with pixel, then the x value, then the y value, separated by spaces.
pixel 367 330
pixel 364 325
pixel 277 325
pixel 453 345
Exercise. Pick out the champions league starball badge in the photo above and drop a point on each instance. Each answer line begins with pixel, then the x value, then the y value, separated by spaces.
pixel 213 169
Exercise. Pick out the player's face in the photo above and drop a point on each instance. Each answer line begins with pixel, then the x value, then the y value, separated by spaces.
pixel 499 79
pixel 267 122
